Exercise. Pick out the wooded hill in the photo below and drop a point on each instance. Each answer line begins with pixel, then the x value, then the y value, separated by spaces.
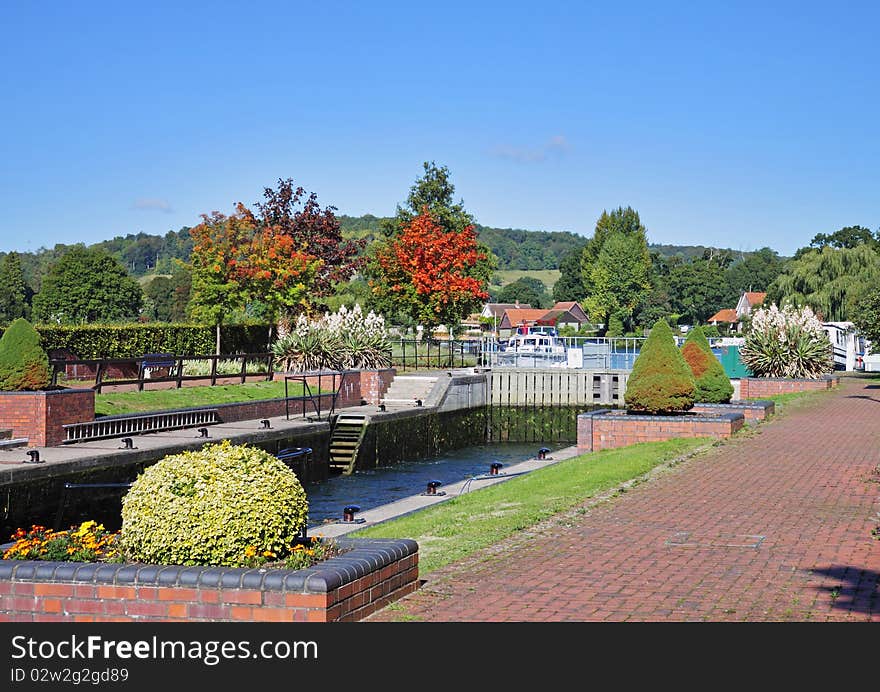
pixel 516 249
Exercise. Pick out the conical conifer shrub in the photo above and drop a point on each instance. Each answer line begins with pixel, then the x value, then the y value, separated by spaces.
pixel 24 365
pixel 713 384
pixel 660 381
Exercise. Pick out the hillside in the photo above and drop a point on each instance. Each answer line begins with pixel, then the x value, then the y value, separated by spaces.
pixel 520 252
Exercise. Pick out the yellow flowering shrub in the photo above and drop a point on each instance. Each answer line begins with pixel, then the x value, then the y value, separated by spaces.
pixel 225 505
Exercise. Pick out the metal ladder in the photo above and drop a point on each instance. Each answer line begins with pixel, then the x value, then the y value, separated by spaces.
pixel 345 440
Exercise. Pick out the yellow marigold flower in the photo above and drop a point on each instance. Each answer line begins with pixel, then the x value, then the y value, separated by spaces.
pixel 250 551
pixel 268 553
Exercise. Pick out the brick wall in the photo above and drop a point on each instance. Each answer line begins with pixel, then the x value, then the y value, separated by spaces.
pixel 606 429
pixel 757 387
pixel 39 416
pixel 346 588
pixel 754 411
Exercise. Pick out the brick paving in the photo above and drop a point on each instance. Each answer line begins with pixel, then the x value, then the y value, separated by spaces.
pixel 773 525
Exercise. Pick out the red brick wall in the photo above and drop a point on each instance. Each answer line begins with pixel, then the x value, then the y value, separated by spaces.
pixel 753 414
pixel 606 430
pixel 757 387
pixel 374 384
pixel 28 599
pixel 39 416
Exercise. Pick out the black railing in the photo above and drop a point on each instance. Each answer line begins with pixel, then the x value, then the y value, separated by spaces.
pixel 103 372
pixel 413 354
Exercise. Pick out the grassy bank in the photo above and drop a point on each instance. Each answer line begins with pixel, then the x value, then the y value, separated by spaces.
pixel 462 525
pixel 111 403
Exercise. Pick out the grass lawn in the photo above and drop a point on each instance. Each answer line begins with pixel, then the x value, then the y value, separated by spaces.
pixel 110 403
pixel 457 527
pixel 547 276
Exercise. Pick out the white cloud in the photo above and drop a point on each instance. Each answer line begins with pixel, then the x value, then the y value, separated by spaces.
pixel 553 147
pixel 152 204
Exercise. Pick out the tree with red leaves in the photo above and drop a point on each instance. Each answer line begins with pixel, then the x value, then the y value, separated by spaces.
pixel 433 275
pixel 312 230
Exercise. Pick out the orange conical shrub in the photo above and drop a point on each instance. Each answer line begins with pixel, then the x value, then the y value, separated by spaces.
pixel 713 384
pixel 660 381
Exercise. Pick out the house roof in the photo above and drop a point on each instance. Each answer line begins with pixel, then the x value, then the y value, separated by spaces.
pixel 572 307
pixel 754 297
pixel 516 317
pixel 725 315
pixel 498 309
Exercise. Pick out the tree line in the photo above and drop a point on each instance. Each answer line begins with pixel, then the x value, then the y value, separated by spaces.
pixel 429 264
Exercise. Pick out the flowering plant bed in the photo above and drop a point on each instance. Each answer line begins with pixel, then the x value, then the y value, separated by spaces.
pixel 41 579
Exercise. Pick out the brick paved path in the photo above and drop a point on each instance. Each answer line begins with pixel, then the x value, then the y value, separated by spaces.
pixel 774 525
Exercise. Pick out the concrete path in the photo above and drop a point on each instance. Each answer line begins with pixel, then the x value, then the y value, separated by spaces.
pixel 773 525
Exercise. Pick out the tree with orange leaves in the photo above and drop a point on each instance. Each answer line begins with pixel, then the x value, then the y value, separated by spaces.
pixel 237 262
pixel 429 273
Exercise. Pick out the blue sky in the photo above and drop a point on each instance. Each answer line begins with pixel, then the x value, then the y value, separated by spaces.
pixel 739 124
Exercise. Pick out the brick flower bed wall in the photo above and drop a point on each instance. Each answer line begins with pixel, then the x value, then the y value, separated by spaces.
pixel 754 411
pixel 371 575
pixel 39 416
pixel 758 387
pixel 607 428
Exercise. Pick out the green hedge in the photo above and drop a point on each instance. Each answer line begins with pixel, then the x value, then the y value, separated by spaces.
pixel 134 340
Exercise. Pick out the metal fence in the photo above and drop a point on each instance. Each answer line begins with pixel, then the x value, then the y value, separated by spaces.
pixel 152 368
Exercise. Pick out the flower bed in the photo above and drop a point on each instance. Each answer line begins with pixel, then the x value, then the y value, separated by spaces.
pixel 759 387
pixel 365 577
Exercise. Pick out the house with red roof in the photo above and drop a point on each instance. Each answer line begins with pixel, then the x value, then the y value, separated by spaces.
pixel 733 317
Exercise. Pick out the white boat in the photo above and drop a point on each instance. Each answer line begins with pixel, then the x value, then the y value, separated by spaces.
pixel 534 343
pixel 849 348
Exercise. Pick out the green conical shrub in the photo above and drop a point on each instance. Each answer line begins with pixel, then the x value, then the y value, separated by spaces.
pixel 713 384
pixel 660 381
pixel 24 365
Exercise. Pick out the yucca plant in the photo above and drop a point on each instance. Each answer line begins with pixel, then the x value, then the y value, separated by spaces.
pixel 344 340
pixel 786 343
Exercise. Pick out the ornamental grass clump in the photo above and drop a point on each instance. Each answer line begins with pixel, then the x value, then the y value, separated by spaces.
pixel 344 340
pixel 661 381
pixel 787 343
pixel 225 505
pixel 24 365
pixel 712 383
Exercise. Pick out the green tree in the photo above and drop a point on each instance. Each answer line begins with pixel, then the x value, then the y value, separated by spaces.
pixel 713 384
pixel 829 281
pixel 619 278
pixel 754 272
pixel 698 290
pixel 24 365
pixel 525 289
pixel 866 317
pixel 14 292
pixel 620 220
pixel 87 286
pixel 660 381
pixel 570 284
pixel 435 191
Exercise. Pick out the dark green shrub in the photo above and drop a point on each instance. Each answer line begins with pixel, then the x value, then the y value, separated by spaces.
pixel 24 365
pixel 660 381
pixel 135 339
pixel 713 384
pixel 226 505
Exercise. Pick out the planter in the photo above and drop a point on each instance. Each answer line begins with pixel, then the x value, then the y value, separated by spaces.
pixel 344 588
pixel 607 428
pixel 754 411
pixel 41 416
pixel 759 387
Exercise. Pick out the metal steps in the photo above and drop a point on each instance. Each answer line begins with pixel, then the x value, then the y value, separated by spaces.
pixel 345 440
